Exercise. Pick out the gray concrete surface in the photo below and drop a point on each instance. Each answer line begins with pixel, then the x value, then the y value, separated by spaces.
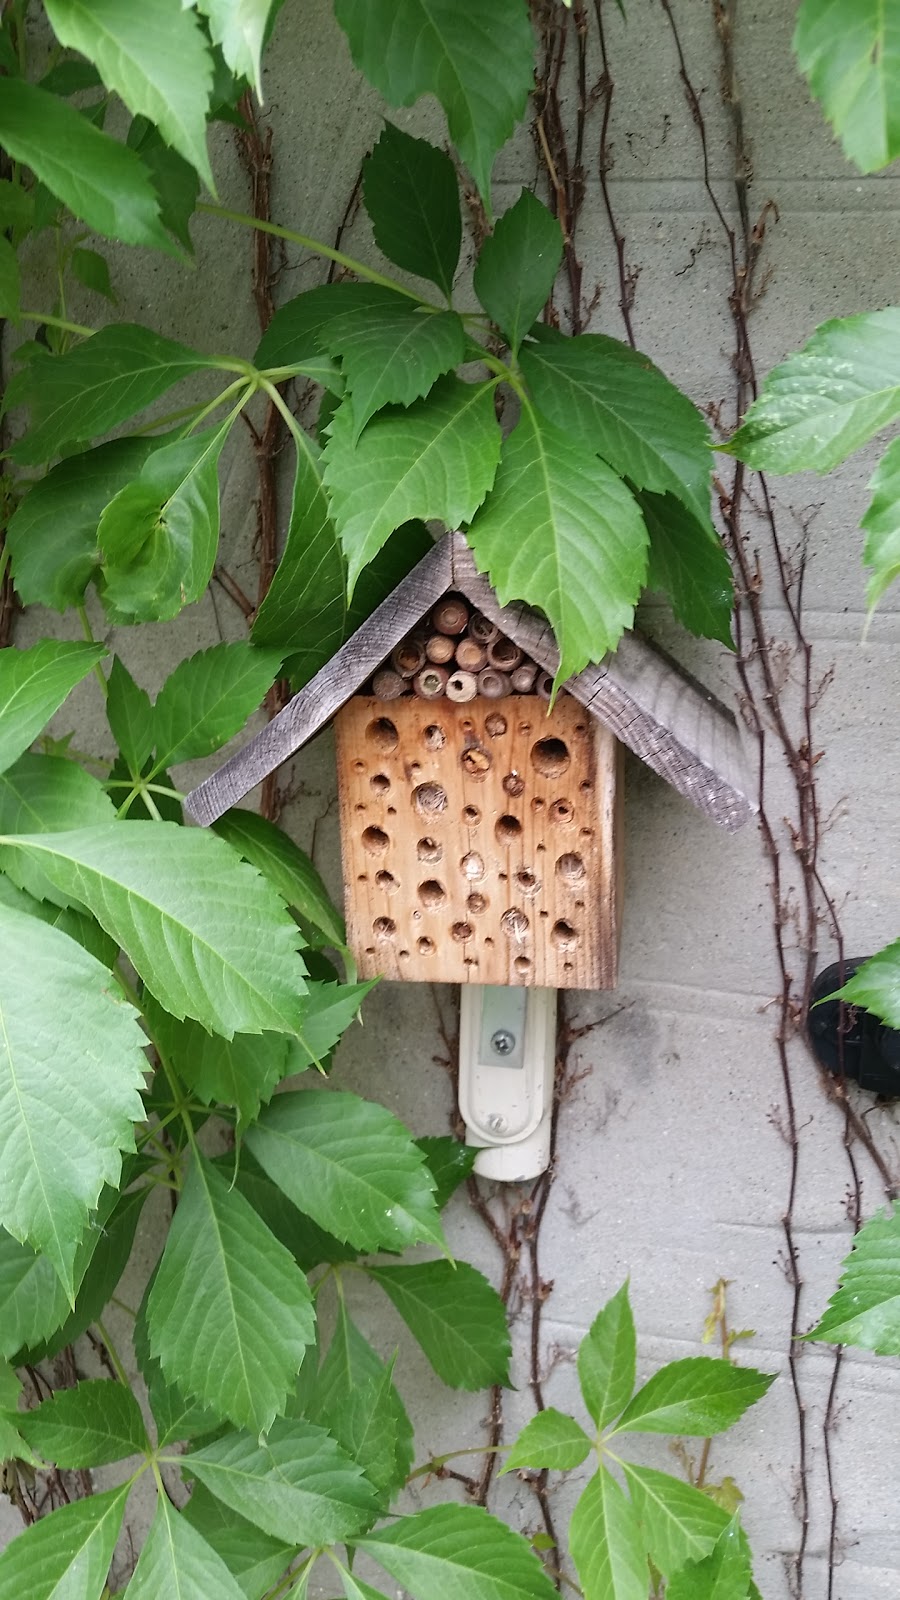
pixel 672 1167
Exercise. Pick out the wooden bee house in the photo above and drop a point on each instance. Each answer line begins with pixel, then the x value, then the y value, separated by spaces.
pixel 480 829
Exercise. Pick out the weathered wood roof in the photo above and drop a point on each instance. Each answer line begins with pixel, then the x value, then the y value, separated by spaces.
pixel 655 708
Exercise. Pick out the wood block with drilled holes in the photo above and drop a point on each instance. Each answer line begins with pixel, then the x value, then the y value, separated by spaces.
pixel 480 841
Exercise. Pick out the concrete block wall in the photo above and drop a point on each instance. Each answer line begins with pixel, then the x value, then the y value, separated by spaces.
pixel 672 1165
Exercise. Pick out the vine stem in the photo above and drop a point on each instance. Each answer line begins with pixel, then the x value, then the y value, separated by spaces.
pixel 317 246
pixel 114 1356
pixel 57 322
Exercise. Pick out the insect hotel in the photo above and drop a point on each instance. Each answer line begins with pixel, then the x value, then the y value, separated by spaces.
pixel 481 829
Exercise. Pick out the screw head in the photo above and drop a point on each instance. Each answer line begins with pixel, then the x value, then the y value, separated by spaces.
pixel 503 1043
pixel 496 1123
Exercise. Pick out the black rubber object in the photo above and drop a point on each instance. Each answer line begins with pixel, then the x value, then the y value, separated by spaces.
pixel 868 1051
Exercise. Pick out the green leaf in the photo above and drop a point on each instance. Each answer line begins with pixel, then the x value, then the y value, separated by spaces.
pixel 176 1561
pixel 329 1009
pixel 355 1589
pixel 298 1485
pixel 174 179
pixel 605 1542
pixel 351 1166
pixel 293 336
pixel 98 384
pixel 550 1439
pixel 99 180
pixel 154 56
pixel 69 1079
pixel 517 266
pixel 287 868
pixel 240 27
pixel 850 52
pixel 12 1444
pixel 109 1250
pixel 477 60
pixel 411 193
pixel 208 698
pixel 698 1396
pixel 679 1523
pixel 67 1555
pixel 130 717
pixel 33 685
pixel 403 551
pixel 865 1309
pixel 612 400
pixel 458 1551
pixel 16 206
pixel 309 1244
pixel 52 536
pixel 607 1358
pixel 876 985
pixel 230 1313
pixel 882 525
pixel 822 403
pixel 33 1302
pixel 255 1559
pixel 455 1315
pixel 688 561
pixel 92 270
pixel 10 281
pixel 305 609
pixel 50 794
pixel 451 1162
pixel 392 350
pixel 176 1417
pixel 436 460
pixel 208 936
pixel 89 1426
pixel 71 77
pixel 563 532
pixel 355 1399
pixel 722 1575
pixel 159 536
pixel 241 1072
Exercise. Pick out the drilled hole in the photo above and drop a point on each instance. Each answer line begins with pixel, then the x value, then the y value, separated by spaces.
pixel 488 943
pixel 429 850
pixel 508 829
pixel 375 840
pixel 472 866
pixel 476 761
pixel 514 784
pixel 470 961
pixel 563 936
pixel 541 847
pixel 471 816
pixel 550 757
pixel 429 799
pixel 392 811
pixel 579 727
pixel 522 966
pixel 586 786
pixel 359 766
pixel 495 725
pixel 524 727
pixel 570 867
pixel 387 882
pixel 434 737
pixel 567 966
pixel 425 947
pixel 360 806
pixel 587 833
pixel 370 949
pixel 384 928
pixel 432 893
pixel 404 955
pixel 526 881
pixel 477 904
pixel 382 735
pixel 537 803
pixel 562 811
pixel 380 783
pixel 514 924
pixel 460 932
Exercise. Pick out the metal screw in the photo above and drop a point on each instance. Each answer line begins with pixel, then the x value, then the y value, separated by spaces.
pixel 496 1123
pixel 503 1043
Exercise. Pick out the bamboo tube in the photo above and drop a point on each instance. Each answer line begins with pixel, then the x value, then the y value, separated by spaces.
pixel 481 629
pixel 522 678
pixel 462 686
pixel 503 654
pixel 439 649
pixel 493 685
pixel 430 683
pixel 388 685
pixel 470 655
pixel 544 685
pixel 407 657
pixel 450 615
